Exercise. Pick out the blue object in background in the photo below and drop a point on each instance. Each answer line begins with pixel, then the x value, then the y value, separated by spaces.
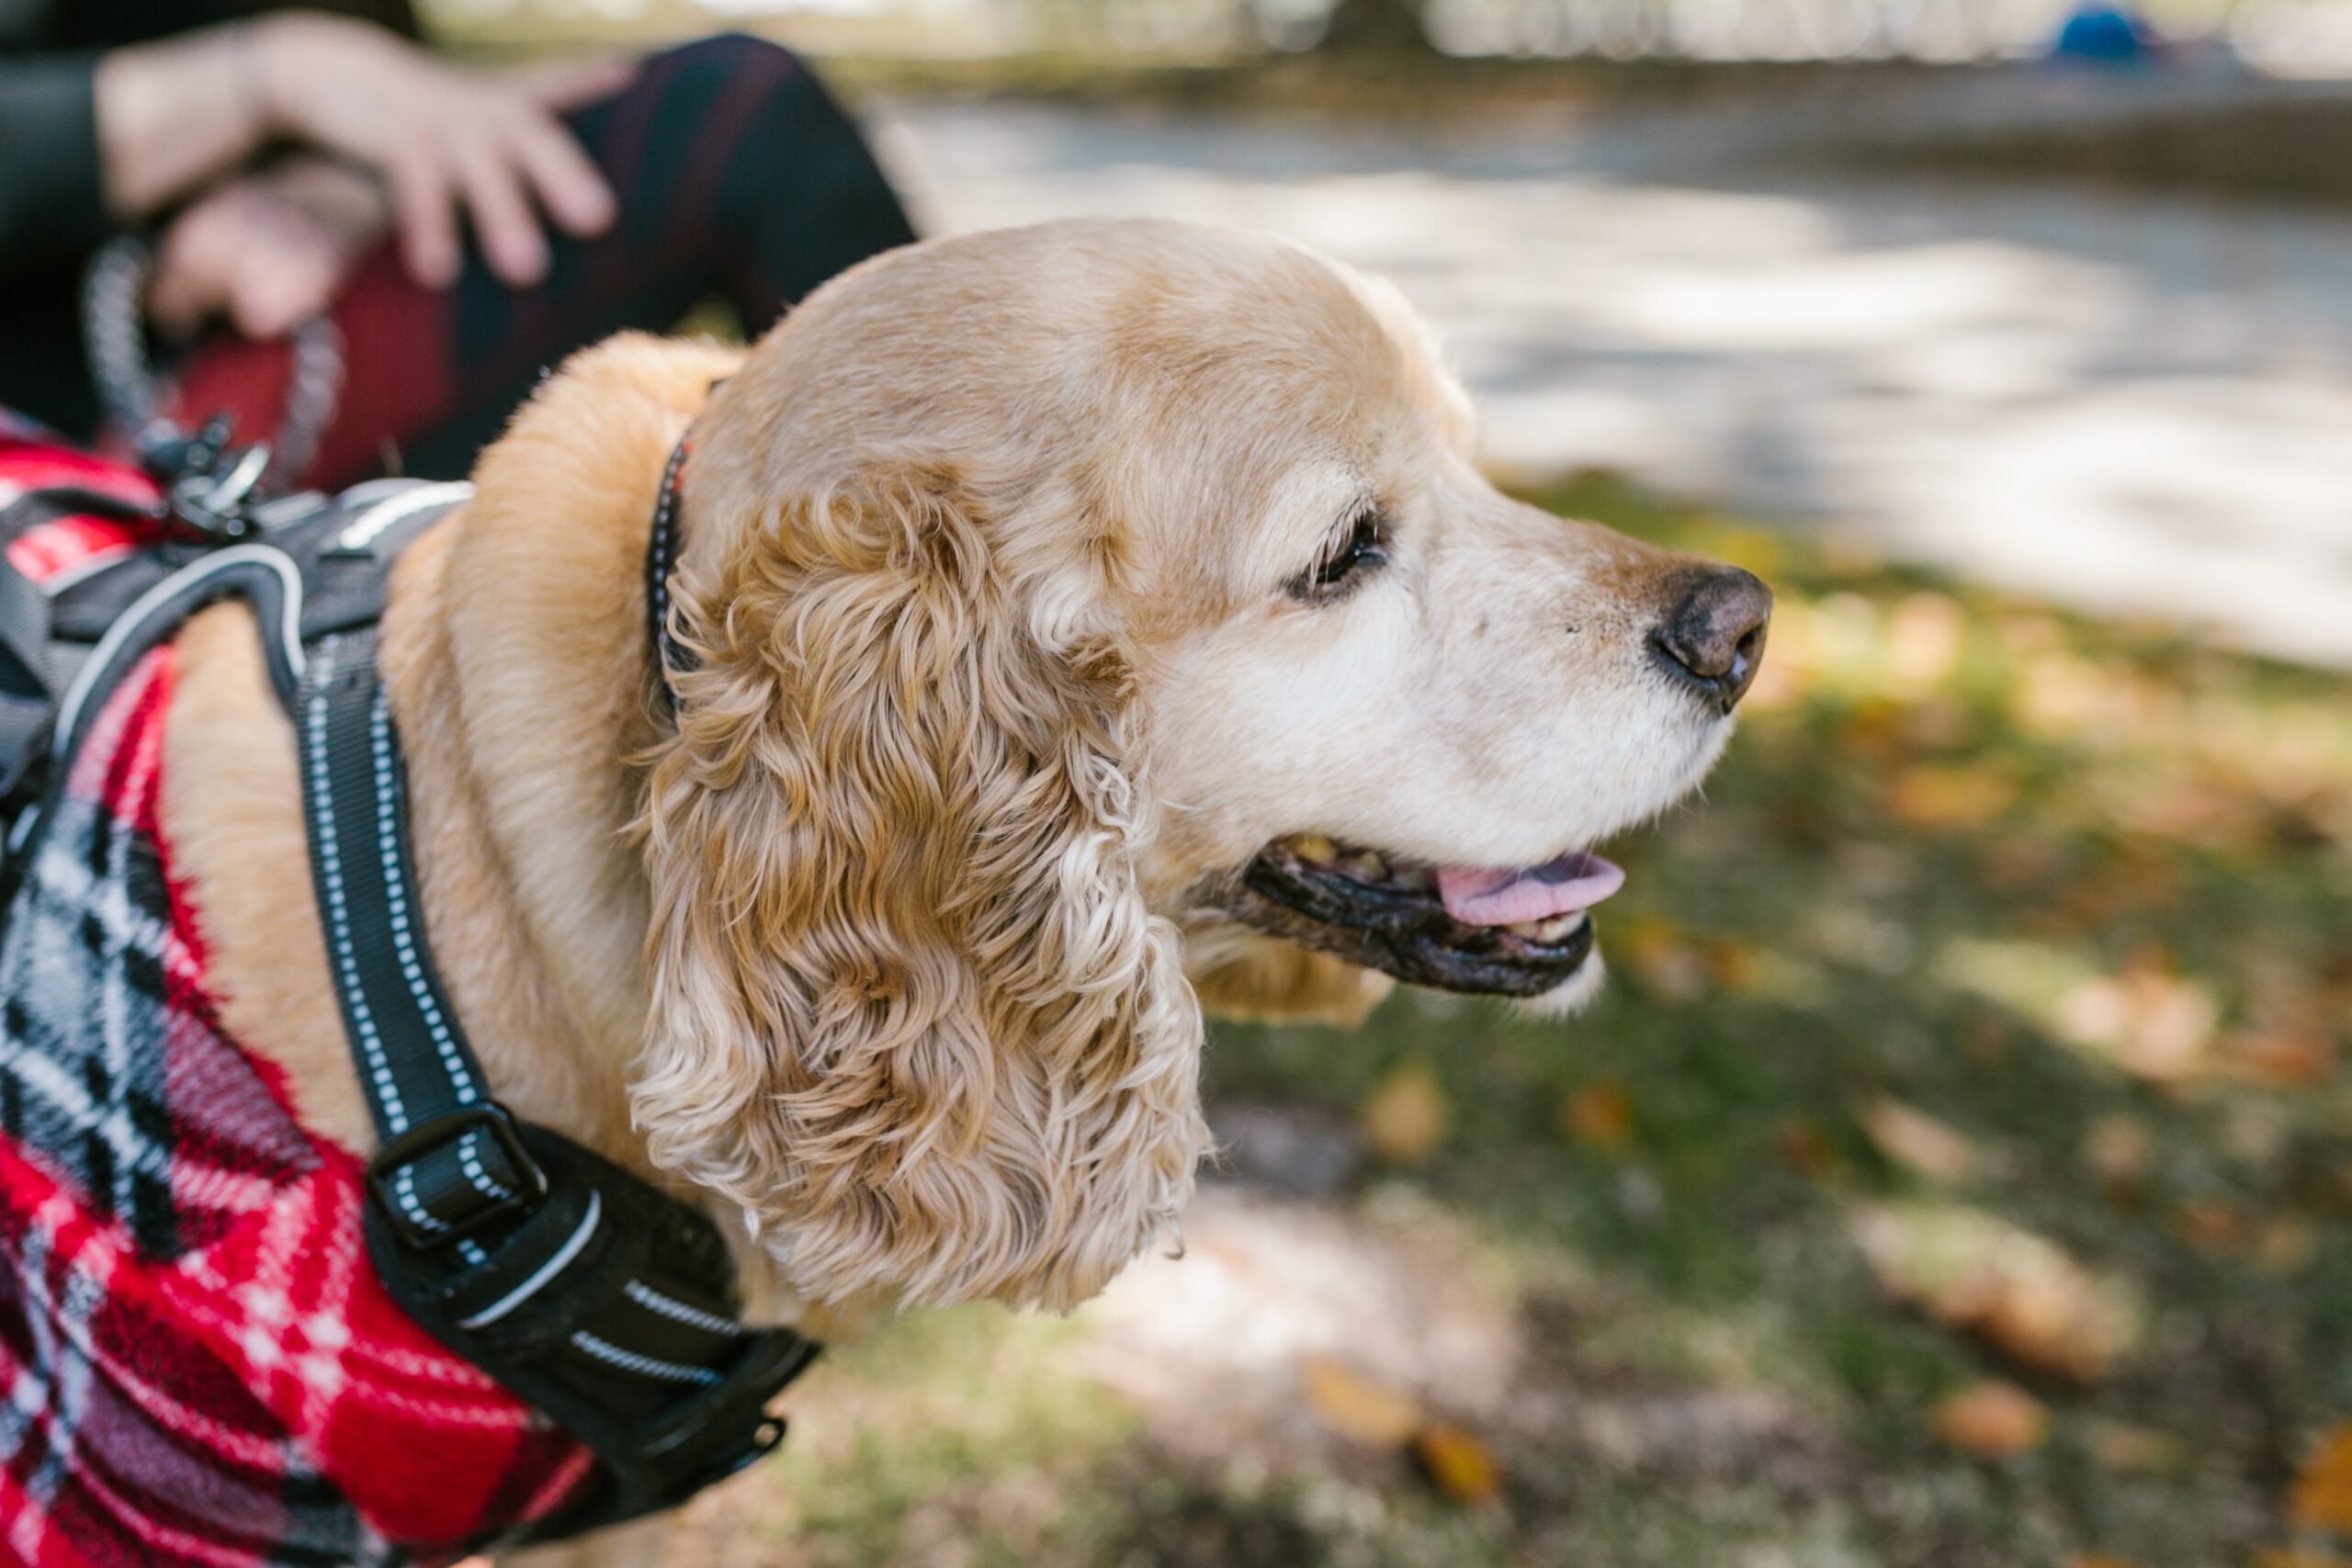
pixel 2108 34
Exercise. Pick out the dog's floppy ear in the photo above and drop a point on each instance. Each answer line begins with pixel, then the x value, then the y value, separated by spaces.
pixel 909 1007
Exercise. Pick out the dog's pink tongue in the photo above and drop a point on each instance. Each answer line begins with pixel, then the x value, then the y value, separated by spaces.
pixel 1478 896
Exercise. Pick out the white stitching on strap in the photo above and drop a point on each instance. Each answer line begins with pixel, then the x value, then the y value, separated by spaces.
pixel 380 741
pixel 404 1185
pixel 338 912
pixel 677 1311
pixel 644 1366
pixel 469 1155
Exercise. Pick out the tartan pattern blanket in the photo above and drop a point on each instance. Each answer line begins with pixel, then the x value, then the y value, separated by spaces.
pixel 197 1364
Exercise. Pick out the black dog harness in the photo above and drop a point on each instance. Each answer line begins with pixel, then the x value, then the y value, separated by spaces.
pixel 590 1294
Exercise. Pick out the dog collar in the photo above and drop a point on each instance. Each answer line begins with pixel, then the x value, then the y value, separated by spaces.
pixel 669 656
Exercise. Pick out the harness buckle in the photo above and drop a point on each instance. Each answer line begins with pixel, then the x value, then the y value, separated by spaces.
pixel 411 1148
pixel 209 484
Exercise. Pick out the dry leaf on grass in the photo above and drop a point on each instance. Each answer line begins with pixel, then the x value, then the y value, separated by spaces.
pixel 1407 1117
pixel 2283 1059
pixel 2322 1494
pixel 1458 1463
pixel 1357 1407
pixel 1806 1150
pixel 1924 635
pixel 2296 1557
pixel 2015 1290
pixel 1993 1420
pixel 1941 796
pixel 2286 1246
pixel 2140 1449
pixel 2148 1022
pixel 2120 1148
pixel 1364 1410
pixel 1916 1139
pixel 2214 1225
pixel 1600 1115
pixel 1666 962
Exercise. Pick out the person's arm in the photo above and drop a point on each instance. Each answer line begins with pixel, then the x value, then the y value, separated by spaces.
pixel 125 135
pixel 90 140
pixel 50 200
pixel 174 114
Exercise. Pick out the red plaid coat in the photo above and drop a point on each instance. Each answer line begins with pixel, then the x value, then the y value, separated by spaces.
pixel 199 1365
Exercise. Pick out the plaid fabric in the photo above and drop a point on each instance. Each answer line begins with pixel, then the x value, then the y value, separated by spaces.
pixel 199 1365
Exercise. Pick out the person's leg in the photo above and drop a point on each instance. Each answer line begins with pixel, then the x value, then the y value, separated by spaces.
pixel 737 176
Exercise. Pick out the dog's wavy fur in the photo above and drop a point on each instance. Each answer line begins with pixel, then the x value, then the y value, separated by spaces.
pixel 910 1008
pixel 885 947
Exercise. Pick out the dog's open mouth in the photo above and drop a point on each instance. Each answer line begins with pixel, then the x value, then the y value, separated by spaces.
pixel 1516 932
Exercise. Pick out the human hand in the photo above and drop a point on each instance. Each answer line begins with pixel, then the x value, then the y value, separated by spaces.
pixel 444 138
pixel 266 249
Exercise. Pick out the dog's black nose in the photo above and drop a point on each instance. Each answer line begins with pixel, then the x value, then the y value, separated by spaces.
pixel 1713 637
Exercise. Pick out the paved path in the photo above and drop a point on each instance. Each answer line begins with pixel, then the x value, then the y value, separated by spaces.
pixel 2134 404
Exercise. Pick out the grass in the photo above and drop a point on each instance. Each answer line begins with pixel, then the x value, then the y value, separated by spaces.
pixel 1998 930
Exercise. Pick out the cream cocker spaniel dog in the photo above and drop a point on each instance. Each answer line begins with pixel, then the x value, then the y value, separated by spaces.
pixel 1091 623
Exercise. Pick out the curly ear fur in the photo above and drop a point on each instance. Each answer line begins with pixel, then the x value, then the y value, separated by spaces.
pixel 909 1009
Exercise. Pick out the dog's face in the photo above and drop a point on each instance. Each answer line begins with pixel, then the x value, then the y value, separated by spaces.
pixel 1390 709
pixel 1064 594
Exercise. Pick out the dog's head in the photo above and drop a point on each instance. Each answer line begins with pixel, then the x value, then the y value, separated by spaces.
pixel 1066 599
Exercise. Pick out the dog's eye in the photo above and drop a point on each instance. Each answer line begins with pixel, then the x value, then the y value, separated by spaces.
pixel 1364 546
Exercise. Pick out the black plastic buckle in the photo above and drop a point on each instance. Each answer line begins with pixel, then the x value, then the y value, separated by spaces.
pixel 729 1417
pixel 208 485
pixel 439 1133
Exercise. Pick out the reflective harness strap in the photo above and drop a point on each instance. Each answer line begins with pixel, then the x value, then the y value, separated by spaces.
pixel 606 1304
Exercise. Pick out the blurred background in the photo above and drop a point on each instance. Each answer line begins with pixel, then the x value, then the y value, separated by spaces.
pixel 1956 1172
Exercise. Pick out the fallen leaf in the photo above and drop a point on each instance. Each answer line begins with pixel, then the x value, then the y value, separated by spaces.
pixel 1804 1148
pixel 2060 695
pixel 2213 1225
pixel 2119 1147
pixel 1916 1139
pixel 1664 961
pixel 1358 1407
pixel 1993 1420
pixel 2283 1060
pixel 1924 633
pixel 1601 1115
pixel 1735 966
pixel 2017 1291
pixel 1939 796
pixel 1407 1116
pixel 2296 1557
pixel 2143 1449
pixel 2132 882
pixel 2286 1245
pixel 1874 731
pixel 1459 1465
pixel 2323 1495
pixel 2096 1559
pixel 2149 1022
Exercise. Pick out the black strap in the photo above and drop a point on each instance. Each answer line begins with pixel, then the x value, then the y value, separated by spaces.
pixel 607 1305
